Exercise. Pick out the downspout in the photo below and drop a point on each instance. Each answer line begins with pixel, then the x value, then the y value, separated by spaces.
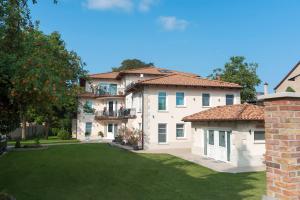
pixel 143 110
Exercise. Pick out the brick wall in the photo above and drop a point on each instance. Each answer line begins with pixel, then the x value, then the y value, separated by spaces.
pixel 282 124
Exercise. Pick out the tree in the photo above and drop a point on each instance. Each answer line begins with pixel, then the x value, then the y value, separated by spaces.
pixel 47 77
pixel 290 89
pixel 132 64
pixel 38 74
pixel 240 72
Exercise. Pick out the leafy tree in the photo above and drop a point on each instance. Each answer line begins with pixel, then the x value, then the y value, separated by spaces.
pixel 38 74
pixel 131 64
pixel 240 72
pixel 290 89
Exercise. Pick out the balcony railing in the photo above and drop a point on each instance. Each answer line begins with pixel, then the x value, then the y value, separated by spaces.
pixel 110 91
pixel 119 114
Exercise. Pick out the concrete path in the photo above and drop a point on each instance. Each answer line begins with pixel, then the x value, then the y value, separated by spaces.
pixel 206 162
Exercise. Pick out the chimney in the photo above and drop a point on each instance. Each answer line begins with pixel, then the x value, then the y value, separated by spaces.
pixel 218 77
pixel 266 88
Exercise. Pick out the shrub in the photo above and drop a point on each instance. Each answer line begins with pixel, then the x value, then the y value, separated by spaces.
pixel 37 141
pixel 101 134
pixel 119 139
pixel 18 144
pixel 55 131
pixel 63 134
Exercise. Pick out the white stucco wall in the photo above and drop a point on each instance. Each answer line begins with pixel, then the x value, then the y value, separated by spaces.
pixel 244 150
pixel 173 115
pixel 83 118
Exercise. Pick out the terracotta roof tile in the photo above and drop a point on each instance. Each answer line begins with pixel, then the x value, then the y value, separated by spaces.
pixel 238 112
pixel 185 80
pixel 108 75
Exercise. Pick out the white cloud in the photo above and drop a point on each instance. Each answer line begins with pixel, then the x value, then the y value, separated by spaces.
pixel 171 23
pixel 145 5
pixel 126 5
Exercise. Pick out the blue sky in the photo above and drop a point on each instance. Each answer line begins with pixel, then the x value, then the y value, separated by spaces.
pixel 190 35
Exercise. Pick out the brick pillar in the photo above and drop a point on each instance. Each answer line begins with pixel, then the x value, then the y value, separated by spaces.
pixel 282 124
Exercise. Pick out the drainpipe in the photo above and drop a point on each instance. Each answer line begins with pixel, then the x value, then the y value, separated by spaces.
pixel 143 110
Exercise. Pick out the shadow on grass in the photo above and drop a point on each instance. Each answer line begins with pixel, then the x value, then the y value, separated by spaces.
pixel 97 171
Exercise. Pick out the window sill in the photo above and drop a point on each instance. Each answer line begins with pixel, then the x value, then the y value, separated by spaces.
pixel 163 111
pixel 162 143
pixel 260 142
pixel 181 138
pixel 206 106
pixel 181 106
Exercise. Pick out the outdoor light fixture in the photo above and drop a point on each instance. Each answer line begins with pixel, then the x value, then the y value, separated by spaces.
pixel 250 131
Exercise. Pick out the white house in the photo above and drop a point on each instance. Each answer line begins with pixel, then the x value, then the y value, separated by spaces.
pixel 233 134
pixel 151 99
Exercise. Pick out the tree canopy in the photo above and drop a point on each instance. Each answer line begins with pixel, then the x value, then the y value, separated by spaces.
pixel 240 72
pixel 39 76
pixel 131 64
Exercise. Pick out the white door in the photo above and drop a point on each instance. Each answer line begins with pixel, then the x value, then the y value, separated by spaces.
pixel 217 145
pixel 211 144
pixel 112 130
pixel 222 146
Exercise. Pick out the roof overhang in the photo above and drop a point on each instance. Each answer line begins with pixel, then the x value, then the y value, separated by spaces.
pixel 278 96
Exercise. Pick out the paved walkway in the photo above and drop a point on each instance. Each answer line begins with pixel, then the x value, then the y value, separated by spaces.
pixel 206 162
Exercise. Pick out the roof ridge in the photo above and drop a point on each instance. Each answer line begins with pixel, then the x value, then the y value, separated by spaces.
pixel 102 73
pixel 162 76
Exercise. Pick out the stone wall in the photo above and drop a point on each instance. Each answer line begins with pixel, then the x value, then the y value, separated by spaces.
pixel 282 123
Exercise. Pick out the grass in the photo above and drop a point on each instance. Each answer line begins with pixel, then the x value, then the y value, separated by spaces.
pixel 98 171
pixel 51 140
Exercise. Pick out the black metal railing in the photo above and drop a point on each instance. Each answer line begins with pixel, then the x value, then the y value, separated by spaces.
pixel 121 113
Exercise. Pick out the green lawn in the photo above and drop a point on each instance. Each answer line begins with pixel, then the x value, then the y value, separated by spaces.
pixel 98 171
pixel 51 140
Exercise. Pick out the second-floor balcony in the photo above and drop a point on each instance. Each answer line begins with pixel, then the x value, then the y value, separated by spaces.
pixel 110 91
pixel 115 114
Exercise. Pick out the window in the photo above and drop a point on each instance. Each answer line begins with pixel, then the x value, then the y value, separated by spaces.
pixel 88 128
pixel 229 99
pixel 140 126
pixel 179 98
pixel 259 136
pixel 205 99
pixel 162 101
pixel 110 128
pixel 180 131
pixel 222 139
pixel 162 133
pixel 107 89
pixel 211 137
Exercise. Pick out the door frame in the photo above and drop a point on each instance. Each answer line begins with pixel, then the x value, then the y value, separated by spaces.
pixel 228 137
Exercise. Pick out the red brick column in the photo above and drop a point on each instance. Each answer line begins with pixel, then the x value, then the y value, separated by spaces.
pixel 282 124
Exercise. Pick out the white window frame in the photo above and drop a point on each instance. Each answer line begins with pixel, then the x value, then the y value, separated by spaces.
pixel 166 110
pixel 184 131
pixel 184 99
pixel 233 101
pixel 258 141
pixel 166 133
pixel 209 100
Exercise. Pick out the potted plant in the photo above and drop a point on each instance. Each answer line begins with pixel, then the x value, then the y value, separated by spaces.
pixel 101 134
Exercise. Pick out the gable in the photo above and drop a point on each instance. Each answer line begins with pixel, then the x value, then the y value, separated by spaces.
pixel 289 79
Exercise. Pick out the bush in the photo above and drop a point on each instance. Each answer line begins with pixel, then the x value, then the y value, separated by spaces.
pixel 290 89
pixel 55 131
pixel 63 134
pixel 119 139
pixel 18 144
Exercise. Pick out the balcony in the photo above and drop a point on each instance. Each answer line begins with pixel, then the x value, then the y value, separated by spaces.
pixel 115 115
